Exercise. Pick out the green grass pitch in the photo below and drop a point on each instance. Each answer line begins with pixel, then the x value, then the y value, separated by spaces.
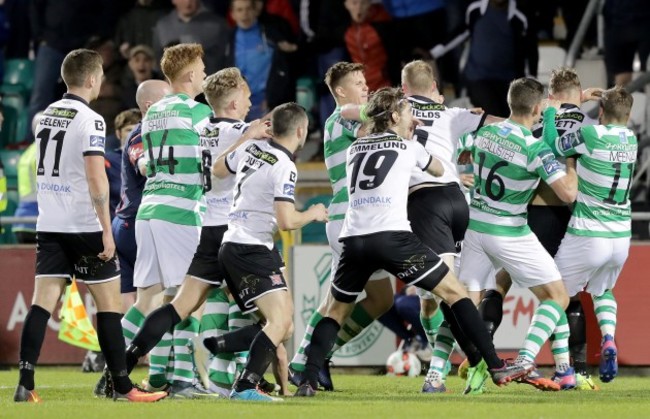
pixel 67 393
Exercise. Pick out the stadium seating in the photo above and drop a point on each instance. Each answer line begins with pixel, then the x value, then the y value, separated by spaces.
pixel 18 78
pixel 550 58
pixel 315 232
pixel 20 121
pixel 6 235
pixel 10 163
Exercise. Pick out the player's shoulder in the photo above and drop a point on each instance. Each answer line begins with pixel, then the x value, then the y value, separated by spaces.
pixel 335 119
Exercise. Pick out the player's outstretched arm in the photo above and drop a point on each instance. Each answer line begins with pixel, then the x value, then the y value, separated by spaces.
pixel 291 219
pixel 566 187
pixel 98 188
pixel 435 168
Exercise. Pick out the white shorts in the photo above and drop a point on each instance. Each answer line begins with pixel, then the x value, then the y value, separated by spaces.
pixel 591 263
pixel 165 251
pixel 523 257
pixel 333 230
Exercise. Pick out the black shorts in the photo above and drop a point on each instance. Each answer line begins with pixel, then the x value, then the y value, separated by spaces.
pixel 205 264
pixel 549 223
pixel 251 271
pixel 74 254
pixel 439 216
pixel 399 252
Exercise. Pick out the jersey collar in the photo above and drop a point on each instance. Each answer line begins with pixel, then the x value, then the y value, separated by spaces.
pixel 568 106
pixel 282 149
pixel 215 119
pixel 422 99
pixel 525 130
pixel 71 96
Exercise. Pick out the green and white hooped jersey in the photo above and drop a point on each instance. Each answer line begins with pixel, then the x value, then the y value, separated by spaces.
pixel 508 165
pixel 339 134
pixel 175 172
pixel 606 158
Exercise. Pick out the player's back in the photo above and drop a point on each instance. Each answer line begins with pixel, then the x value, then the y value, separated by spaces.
pixel 508 165
pixel 379 168
pixel 339 134
pixel 605 168
pixel 170 136
pixel 68 131
pixel 264 173
pixel 439 134
pixel 216 137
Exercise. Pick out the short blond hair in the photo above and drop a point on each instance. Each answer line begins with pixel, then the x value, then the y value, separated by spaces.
pixel 219 86
pixel 418 75
pixel 563 80
pixel 175 59
pixel 617 103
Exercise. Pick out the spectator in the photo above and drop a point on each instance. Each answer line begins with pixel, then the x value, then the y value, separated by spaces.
pixel 191 22
pixel 17 12
pixel 58 27
pixel 124 123
pixel 626 33
pixel 260 53
pixel 419 25
pixel 27 204
pixel 134 28
pixel 109 102
pixel 140 68
pixel 501 46
pixel 324 22
pixel 282 9
pixel 370 41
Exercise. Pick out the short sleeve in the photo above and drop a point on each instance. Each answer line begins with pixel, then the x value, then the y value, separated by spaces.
pixel 284 181
pixel 422 157
pixel 350 128
pixel 233 158
pixel 93 134
pixel 465 121
pixel 542 161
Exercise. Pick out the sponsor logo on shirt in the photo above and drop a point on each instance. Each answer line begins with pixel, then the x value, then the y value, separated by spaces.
pixel 565 142
pixel 53 188
pixel 504 131
pixel 288 189
pixel 551 165
pixel 96 141
pixel 623 137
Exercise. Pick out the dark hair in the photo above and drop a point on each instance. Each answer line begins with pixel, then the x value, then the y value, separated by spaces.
pixel 338 71
pixel 127 117
pixel 78 65
pixel 524 94
pixel 616 103
pixel 380 108
pixel 286 117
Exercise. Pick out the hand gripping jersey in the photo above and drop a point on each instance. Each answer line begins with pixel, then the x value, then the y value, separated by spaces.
pixel 265 173
pixel 378 170
pixel 508 165
pixel 606 158
pixel 68 131
pixel 339 134
pixel 442 127
pixel 216 137
pixel 175 172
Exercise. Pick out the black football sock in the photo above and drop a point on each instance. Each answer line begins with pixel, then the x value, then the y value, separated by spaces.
pixel 578 336
pixel 322 340
pixel 31 341
pixel 472 353
pixel 491 310
pixel 152 330
pixel 236 341
pixel 470 322
pixel 259 358
pixel 111 340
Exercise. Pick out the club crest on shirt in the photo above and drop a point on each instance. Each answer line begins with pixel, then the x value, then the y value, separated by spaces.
pixel 276 279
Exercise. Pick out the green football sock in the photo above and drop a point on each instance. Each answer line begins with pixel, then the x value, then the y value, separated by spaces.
pixel 605 307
